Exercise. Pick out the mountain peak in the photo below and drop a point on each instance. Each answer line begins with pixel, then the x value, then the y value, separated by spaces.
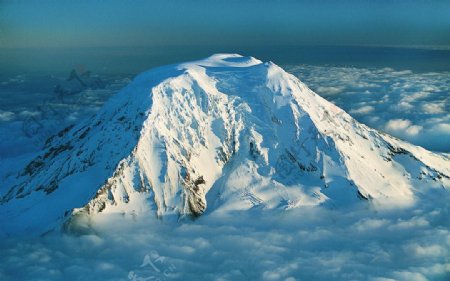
pixel 224 133
pixel 223 60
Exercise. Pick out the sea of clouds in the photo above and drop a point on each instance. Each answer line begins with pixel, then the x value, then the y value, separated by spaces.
pixel 300 244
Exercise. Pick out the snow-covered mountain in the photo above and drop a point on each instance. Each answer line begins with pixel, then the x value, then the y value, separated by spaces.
pixel 220 134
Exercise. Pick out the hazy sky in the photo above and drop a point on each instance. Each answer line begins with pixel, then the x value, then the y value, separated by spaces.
pixel 54 23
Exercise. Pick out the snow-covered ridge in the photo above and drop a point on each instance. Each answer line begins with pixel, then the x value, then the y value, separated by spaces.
pixel 220 134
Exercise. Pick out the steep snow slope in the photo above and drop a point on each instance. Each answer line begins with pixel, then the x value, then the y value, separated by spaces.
pixel 220 134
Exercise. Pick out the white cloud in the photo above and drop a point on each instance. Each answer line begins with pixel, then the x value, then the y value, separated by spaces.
pixel 433 108
pixel 425 250
pixel 363 110
pixel 370 224
pixel 413 130
pixel 374 119
pixel 6 116
pixel 414 96
pixel 329 90
pixel 403 105
pixel 442 128
pixel 410 276
pixel 403 126
pixel 398 124
pixel 27 113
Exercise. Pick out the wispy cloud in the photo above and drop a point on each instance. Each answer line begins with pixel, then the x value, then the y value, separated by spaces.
pixel 6 115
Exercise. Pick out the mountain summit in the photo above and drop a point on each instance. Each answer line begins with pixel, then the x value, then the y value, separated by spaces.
pixel 225 133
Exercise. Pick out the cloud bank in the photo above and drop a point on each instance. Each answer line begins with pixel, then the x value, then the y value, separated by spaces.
pixel 299 244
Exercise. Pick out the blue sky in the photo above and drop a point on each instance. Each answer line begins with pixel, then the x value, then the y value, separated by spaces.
pixel 51 23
